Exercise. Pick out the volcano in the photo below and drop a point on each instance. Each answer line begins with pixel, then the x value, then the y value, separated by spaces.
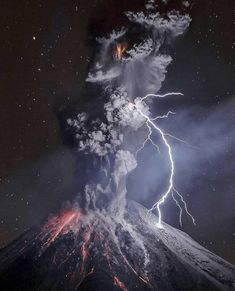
pixel 92 251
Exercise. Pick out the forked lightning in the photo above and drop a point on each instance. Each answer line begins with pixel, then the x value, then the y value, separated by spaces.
pixel 150 123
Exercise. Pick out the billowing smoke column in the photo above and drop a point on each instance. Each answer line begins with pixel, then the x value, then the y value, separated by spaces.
pixel 109 135
pixel 130 72
pixel 102 235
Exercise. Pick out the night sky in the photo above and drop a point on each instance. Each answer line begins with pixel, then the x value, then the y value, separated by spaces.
pixel 46 50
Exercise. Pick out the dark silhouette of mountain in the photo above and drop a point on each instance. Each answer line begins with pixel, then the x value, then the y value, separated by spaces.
pixel 77 251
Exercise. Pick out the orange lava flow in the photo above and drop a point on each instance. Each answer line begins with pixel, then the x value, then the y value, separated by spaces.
pixel 84 233
pixel 84 249
pixel 61 224
pixel 120 49
pixel 134 271
pixel 119 283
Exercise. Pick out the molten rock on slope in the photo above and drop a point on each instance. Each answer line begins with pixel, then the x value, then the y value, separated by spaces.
pixel 78 251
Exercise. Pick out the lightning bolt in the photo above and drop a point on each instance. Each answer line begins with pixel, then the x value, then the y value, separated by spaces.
pixel 150 126
pixel 150 132
pixel 178 205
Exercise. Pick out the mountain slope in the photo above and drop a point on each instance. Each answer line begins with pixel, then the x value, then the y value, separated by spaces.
pixel 76 251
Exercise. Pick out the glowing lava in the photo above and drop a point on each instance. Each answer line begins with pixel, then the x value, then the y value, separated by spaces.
pixel 120 50
pixel 119 283
pixel 59 225
pixel 84 248
pixel 92 235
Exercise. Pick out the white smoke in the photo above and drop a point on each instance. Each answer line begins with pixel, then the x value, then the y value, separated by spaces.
pixel 118 111
pixel 125 163
pixel 150 5
pixel 140 70
pixel 173 25
pixel 103 77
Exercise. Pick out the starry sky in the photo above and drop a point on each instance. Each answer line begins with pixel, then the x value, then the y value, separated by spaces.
pixel 46 49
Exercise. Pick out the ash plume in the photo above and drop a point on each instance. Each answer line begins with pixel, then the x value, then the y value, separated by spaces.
pixel 125 68
pixel 100 233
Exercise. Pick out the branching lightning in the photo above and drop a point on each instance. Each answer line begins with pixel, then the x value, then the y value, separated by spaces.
pixel 150 126
pixel 150 132
pixel 178 205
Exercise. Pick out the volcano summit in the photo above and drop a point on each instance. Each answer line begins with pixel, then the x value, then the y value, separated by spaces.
pixel 101 241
